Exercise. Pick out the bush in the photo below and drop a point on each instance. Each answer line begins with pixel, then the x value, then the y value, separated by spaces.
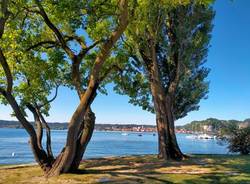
pixel 239 141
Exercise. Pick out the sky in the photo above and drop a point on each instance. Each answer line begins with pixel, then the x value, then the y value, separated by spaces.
pixel 229 93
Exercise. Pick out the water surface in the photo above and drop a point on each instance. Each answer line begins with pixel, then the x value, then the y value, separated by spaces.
pixel 102 144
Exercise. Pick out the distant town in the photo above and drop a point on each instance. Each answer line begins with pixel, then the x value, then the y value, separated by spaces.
pixel 210 126
pixel 98 127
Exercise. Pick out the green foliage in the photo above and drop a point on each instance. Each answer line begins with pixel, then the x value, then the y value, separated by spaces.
pixel 37 59
pixel 38 70
pixel 34 77
pixel 239 140
pixel 195 27
pixel 237 135
pixel 192 24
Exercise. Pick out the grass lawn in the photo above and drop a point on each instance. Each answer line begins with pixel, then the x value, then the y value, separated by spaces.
pixel 199 169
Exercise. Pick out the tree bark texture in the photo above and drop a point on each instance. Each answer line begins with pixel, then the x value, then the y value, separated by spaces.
pixel 163 104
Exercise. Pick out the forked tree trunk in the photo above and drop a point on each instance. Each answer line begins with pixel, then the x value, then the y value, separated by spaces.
pixel 83 139
pixel 168 146
pixel 76 143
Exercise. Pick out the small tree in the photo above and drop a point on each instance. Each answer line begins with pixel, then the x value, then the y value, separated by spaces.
pixel 238 139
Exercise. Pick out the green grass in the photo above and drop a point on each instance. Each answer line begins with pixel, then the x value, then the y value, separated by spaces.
pixel 198 169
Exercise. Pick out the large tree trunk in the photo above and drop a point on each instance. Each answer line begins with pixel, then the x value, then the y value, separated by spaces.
pixel 83 139
pixel 167 142
pixel 39 131
pixel 175 150
pixel 168 146
pixel 65 160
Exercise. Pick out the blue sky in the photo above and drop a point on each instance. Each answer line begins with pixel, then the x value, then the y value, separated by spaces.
pixel 228 58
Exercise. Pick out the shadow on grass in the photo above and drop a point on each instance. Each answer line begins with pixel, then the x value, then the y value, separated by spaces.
pixel 232 169
pixel 137 169
pixel 132 169
pixel 217 179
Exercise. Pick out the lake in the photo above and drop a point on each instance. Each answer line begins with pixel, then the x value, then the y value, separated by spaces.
pixel 102 144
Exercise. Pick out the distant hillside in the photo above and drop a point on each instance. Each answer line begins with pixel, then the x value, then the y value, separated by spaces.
pixel 107 127
pixel 16 124
pixel 213 123
pixel 196 126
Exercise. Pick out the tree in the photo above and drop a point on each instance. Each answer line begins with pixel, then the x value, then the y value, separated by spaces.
pixel 238 139
pixel 53 26
pixel 19 80
pixel 166 47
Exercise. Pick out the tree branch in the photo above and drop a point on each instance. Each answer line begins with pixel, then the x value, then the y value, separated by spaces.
pixel 51 100
pixel 5 15
pixel 39 127
pixel 76 67
pixel 107 46
pixel 78 39
pixel 84 51
pixel 174 81
pixel 48 143
pixel 40 122
pixel 54 97
pixel 40 44
pixel 58 34
pixel 7 71
pixel 87 98
pixel 2 91
pixel 7 94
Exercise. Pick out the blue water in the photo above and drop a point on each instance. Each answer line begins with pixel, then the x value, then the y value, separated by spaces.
pixel 102 144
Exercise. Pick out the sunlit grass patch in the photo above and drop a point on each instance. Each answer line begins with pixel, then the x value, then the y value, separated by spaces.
pixel 205 169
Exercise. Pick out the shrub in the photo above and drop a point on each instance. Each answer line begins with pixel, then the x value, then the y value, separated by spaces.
pixel 239 141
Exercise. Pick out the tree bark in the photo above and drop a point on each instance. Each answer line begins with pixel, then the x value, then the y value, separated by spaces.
pixel 48 136
pixel 168 146
pixel 83 139
pixel 39 127
pixel 39 154
pixel 167 142
pixel 39 131
pixel 176 152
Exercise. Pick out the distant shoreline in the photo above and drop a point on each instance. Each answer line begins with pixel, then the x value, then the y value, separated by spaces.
pixel 94 130
pixel 100 127
pixel 211 126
